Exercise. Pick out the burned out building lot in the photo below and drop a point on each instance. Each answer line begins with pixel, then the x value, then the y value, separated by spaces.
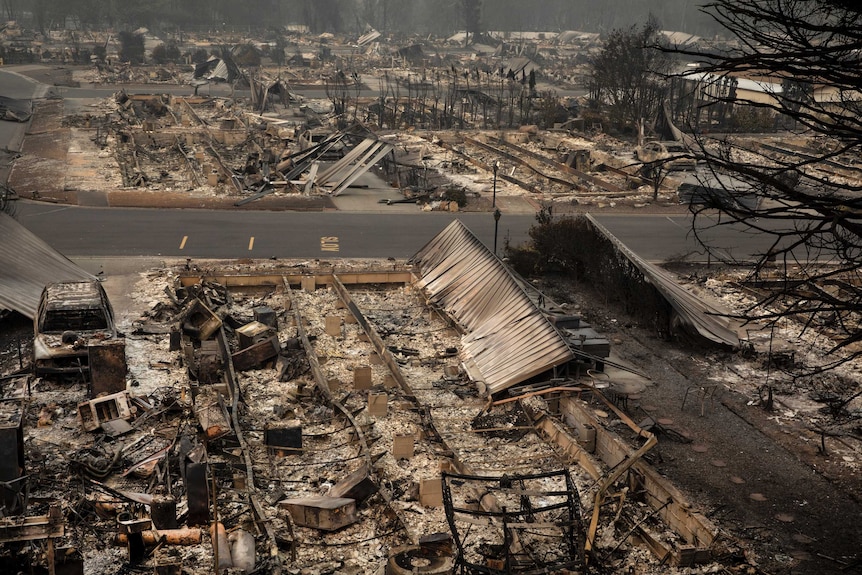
pixel 439 413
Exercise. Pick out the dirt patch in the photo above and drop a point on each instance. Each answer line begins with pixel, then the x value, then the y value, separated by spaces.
pixel 47 117
pixel 40 178
pixel 40 173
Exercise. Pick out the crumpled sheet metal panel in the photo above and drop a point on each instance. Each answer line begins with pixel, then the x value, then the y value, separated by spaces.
pixel 507 337
pixel 709 321
pixel 27 265
pixel 355 163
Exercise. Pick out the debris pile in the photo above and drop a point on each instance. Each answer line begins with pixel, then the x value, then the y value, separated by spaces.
pixel 300 419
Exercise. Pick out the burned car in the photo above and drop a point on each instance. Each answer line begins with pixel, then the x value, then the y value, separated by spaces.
pixel 72 316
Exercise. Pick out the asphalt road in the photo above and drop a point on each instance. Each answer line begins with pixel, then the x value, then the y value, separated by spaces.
pixel 78 231
pixel 81 231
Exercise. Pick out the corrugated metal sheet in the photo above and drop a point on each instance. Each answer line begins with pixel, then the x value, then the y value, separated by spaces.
pixel 27 265
pixel 709 321
pixel 507 338
pixel 368 37
pixel 355 163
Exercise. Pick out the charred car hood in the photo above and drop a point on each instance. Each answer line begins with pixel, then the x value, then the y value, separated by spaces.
pixel 51 346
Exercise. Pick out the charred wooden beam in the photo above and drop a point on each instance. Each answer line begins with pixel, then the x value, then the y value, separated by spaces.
pixel 33 528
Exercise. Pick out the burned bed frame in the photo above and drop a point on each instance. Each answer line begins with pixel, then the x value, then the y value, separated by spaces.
pixel 534 518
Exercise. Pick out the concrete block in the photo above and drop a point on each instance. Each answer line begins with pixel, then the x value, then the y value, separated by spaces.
pixel 377 404
pixel 403 446
pixel 308 283
pixel 333 326
pixel 362 377
pixel 431 492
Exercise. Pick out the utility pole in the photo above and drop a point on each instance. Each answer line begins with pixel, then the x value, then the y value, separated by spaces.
pixel 494 197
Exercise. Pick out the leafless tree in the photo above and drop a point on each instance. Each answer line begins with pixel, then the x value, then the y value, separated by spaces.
pixel 628 75
pixel 656 172
pixel 808 198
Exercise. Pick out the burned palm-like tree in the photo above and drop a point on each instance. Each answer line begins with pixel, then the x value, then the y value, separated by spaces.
pixel 804 59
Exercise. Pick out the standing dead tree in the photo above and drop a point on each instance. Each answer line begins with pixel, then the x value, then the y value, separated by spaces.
pixel 627 78
pixel 338 88
pixel 807 198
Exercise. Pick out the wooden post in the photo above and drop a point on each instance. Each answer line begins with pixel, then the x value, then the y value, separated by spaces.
pixel 214 530
pixel 51 559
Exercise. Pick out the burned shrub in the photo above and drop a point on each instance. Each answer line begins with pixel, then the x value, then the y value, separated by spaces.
pixel 131 47
pixel 165 53
pixel 572 247
pixel 455 194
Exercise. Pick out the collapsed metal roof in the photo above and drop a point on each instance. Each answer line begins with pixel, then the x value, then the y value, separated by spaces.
pixel 355 163
pixel 368 37
pixel 27 265
pixel 507 338
pixel 707 320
